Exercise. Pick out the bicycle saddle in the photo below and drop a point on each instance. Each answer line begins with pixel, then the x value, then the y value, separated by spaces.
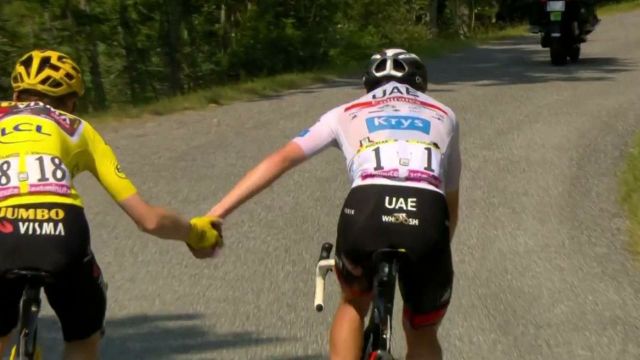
pixel 388 255
pixel 29 275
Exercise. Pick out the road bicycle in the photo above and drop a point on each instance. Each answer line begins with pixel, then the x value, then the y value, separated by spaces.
pixel 27 347
pixel 377 334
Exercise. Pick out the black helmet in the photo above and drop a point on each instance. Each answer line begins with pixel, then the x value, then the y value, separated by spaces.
pixel 395 65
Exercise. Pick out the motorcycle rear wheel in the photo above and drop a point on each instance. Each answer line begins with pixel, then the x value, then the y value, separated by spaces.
pixel 574 53
pixel 558 54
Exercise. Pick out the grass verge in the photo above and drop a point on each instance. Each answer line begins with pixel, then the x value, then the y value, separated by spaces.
pixel 225 94
pixel 216 95
pixel 630 175
pixel 630 194
pixel 622 6
pixel 252 89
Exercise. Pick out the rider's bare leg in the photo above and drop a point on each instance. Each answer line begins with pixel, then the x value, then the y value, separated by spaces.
pixel 347 330
pixel 422 343
pixel 4 343
pixel 87 349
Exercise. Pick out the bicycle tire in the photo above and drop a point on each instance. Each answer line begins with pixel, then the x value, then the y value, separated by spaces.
pixel 371 338
pixel 27 348
pixel 37 355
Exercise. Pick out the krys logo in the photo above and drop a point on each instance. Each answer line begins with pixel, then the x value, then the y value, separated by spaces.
pixel 413 123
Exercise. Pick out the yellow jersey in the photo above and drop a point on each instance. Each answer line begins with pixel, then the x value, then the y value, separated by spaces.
pixel 42 149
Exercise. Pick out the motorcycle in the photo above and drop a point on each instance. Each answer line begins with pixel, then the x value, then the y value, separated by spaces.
pixel 562 30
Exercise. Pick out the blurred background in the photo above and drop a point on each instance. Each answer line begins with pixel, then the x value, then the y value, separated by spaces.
pixel 140 51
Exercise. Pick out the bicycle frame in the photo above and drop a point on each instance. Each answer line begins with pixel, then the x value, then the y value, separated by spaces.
pixel 377 335
pixel 31 304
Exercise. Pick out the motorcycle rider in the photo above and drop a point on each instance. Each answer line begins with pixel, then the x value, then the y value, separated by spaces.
pixel 587 17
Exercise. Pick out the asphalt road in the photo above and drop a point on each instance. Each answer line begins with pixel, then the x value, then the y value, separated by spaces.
pixel 541 267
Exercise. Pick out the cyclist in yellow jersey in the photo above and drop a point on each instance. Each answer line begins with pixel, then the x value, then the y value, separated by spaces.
pixel 42 222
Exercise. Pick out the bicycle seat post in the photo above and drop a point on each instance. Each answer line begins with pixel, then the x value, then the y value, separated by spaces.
pixel 30 307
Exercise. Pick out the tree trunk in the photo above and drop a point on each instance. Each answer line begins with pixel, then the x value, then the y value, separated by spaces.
pixel 171 44
pixel 194 71
pixel 129 46
pixel 472 15
pixel 433 17
pixel 99 98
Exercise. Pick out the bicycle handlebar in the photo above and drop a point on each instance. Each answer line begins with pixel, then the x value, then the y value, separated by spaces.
pixel 322 269
pixel 325 251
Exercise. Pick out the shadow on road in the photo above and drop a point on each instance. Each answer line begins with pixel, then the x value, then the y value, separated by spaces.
pixel 155 337
pixel 333 84
pixel 520 61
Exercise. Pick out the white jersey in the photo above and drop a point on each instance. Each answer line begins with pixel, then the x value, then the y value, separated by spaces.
pixel 394 135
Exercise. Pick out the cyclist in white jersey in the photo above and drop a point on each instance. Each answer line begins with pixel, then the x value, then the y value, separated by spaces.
pixel 402 152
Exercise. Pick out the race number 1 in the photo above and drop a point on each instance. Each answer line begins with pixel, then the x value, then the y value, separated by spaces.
pixel 416 161
pixel 428 160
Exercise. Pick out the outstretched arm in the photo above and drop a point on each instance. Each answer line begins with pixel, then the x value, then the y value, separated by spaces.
pixel 199 233
pixel 260 177
pixel 155 220
pixel 99 158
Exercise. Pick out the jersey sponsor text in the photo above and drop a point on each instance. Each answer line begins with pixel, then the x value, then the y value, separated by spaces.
pixel 398 203
pixel 50 188
pixel 398 99
pixel 400 218
pixel 379 123
pixel 31 214
pixel 21 132
pixel 41 228
pixel 400 90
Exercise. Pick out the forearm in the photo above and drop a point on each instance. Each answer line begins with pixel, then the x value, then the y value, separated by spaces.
pixel 166 224
pixel 252 183
pixel 155 220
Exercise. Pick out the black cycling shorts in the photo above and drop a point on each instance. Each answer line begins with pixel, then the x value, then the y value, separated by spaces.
pixel 53 238
pixel 383 216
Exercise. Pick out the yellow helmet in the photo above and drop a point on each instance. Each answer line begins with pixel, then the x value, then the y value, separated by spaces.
pixel 49 72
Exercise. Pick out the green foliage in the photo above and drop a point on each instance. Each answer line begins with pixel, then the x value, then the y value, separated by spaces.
pixel 144 51
pixel 140 51
pixel 630 193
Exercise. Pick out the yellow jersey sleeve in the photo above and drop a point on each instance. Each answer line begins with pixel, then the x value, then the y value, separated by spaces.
pixel 101 161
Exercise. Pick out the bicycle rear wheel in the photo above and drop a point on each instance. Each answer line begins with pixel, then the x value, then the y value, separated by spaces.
pixel 377 336
pixel 37 355
pixel 371 338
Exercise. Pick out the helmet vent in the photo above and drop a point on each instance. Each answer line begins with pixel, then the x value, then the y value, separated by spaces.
pixel 381 66
pixel 27 62
pixel 44 63
pixel 55 84
pixel 69 77
pixel 399 66
pixel 46 80
pixel 54 67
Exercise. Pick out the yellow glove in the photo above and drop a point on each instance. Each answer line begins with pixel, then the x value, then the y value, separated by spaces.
pixel 202 234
